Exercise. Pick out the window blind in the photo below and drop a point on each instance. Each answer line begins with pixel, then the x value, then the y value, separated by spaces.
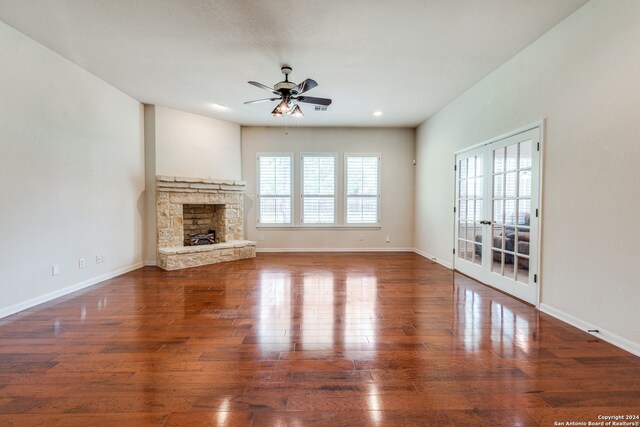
pixel 362 174
pixel 318 189
pixel 274 189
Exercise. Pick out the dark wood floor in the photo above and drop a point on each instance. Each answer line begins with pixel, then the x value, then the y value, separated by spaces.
pixel 300 340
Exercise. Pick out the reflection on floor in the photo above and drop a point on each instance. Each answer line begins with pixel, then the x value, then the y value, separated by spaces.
pixel 305 339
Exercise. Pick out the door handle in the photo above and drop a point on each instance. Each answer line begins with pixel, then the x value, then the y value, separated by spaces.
pixel 486 222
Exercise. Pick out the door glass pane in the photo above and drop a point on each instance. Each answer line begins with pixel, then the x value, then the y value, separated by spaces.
pixel 523 241
pixel 510 211
pixel 522 247
pixel 510 186
pixel 477 253
pixel 479 165
pixel 525 154
pixel 463 209
pixel 479 185
pixel 462 229
pixel 524 187
pixel 478 216
pixel 463 169
pixel 512 157
pixel 524 212
pixel 498 160
pixel 470 231
pixel 471 183
pixel 498 186
pixel 496 265
pixel 470 209
pixel 498 237
pixel 471 168
pixel 461 249
pixel 523 270
pixel 508 267
pixel 498 211
pixel 463 188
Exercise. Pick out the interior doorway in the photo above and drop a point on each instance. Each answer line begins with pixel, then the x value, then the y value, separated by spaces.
pixel 497 213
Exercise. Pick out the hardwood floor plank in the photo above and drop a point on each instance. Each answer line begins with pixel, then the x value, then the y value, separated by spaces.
pixel 307 340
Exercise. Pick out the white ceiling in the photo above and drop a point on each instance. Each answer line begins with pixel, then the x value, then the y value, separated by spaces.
pixel 405 58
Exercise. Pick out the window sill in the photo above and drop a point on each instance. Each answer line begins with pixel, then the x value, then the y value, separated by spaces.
pixel 320 227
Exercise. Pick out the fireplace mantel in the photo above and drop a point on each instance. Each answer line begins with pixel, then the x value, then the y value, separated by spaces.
pixel 172 193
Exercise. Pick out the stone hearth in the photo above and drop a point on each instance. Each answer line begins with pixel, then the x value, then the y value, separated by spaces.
pixel 221 199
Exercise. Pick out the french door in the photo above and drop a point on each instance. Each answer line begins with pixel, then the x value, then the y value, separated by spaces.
pixel 496 220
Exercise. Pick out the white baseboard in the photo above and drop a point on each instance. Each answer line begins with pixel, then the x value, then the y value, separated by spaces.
pixel 334 249
pixel 15 308
pixel 150 263
pixel 433 258
pixel 603 334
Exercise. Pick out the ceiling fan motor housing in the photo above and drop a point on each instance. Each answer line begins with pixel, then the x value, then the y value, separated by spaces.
pixel 285 86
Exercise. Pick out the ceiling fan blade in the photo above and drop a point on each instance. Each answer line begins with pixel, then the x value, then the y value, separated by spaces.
pixel 312 100
pixel 304 86
pixel 265 87
pixel 262 100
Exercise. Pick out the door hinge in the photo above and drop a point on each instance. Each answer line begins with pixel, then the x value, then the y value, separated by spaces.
pixel 536 212
pixel 535 278
pixel 455 167
pixel 454 251
pixel 538 147
pixel 454 209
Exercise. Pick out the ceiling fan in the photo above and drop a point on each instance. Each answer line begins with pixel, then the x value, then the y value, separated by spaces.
pixel 289 94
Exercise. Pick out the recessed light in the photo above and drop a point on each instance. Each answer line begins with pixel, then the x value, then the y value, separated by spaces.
pixel 220 107
pixel 377 113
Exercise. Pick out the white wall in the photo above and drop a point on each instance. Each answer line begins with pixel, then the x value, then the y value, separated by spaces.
pixel 196 146
pixel 583 77
pixel 396 146
pixel 71 175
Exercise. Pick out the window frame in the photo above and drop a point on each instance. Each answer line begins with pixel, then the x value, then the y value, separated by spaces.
pixel 259 196
pixel 346 191
pixel 335 190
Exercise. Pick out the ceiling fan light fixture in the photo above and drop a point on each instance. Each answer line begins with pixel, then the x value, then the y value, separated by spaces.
pixel 284 107
pixel 297 112
pixel 276 112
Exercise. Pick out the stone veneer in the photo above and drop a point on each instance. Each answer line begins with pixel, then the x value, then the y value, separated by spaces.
pixel 174 192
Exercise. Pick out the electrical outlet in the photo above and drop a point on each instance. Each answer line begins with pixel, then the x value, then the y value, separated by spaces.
pixel 55 269
pixel 98 259
pixel 261 236
pixel 361 237
pixel 82 263
pixel 387 239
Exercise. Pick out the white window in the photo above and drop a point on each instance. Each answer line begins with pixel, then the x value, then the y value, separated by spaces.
pixel 363 188
pixel 275 188
pixel 318 173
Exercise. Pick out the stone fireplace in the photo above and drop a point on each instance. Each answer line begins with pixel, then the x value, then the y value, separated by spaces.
pixel 190 206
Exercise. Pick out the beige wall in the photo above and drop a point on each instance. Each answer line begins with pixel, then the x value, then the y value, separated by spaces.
pixel 71 175
pixel 150 236
pixel 178 143
pixel 582 76
pixel 196 146
pixel 396 147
